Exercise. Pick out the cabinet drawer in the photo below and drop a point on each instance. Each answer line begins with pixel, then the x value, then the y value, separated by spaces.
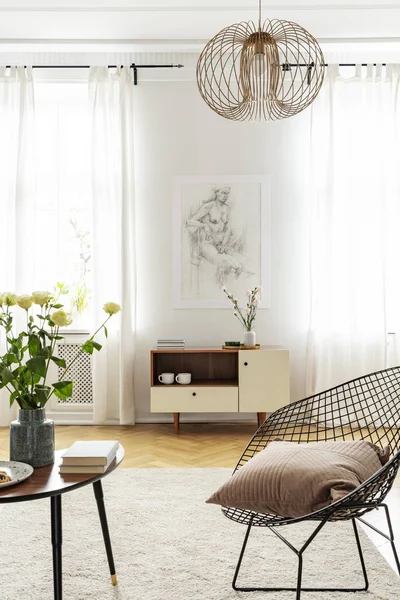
pixel 193 399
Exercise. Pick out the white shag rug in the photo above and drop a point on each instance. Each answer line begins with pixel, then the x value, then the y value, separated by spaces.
pixel 169 545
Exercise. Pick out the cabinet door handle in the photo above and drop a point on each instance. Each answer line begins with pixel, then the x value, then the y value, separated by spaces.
pixel 245 364
pixel 194 393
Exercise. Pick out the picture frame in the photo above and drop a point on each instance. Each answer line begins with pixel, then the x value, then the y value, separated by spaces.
pixel 220 237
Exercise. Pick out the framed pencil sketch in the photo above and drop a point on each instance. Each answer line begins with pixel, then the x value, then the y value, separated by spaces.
pixel 221 237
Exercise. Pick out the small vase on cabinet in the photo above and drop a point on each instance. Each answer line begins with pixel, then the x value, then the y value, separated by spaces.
pixel 32 438
pixel 249 339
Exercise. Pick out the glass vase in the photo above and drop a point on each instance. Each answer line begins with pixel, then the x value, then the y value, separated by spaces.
pixel 249 339
pixel 32 438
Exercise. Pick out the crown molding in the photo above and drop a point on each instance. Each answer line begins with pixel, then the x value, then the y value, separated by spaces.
pixel 151 45
pixel 145 8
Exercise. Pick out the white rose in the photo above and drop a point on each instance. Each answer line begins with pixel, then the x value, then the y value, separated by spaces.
pixel 111 308
pixel 61 318
pixel 258 288
pixel 248 293
pixel 256 300
pixel 24 301
pixel 41 298
pixel 9 299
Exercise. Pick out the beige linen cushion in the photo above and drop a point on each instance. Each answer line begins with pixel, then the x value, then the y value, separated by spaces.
pixel 292 480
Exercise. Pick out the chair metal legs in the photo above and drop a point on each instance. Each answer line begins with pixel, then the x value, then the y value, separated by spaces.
pixel 360 554
pixel 389 537
pixel 298 589
pixel 246 537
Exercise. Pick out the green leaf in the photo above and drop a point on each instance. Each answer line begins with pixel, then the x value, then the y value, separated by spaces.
pixel 37 365
pixel 34 345
pixel 9 358
pixel 88 347
pixel 42 393
pixel 62 288
pixel 12 397
pixel 57 305
pixel 7 376
pixel 97 346
pixel 45 352
pixel 105 331
pixel 63 389
pixel 60 362
pixel 13 341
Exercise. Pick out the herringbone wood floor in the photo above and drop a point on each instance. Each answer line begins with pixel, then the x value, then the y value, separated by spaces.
pixel 156 445
pixel 197 445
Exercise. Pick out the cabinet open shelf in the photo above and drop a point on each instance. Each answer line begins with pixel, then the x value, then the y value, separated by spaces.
pixel 206 367
pixel 201 383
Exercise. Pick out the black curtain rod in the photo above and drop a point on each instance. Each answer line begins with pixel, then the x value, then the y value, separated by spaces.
pixel 135 67
pixel 132 66
pixel 339 65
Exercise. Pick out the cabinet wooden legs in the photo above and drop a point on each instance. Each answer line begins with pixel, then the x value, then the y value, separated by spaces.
pixel 176 422
pixel 261 418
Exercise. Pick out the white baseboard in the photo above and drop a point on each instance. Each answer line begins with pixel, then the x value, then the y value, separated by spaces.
pixel 215 418
pixel 70 418
pixel 87 419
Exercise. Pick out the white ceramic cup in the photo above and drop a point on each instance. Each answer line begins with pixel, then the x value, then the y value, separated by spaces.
pixel 183 378
pixel 166 377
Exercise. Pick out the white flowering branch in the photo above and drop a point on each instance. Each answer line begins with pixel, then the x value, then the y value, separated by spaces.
pixel 247 315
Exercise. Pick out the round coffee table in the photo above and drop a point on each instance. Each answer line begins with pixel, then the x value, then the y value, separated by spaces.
pixel 47 482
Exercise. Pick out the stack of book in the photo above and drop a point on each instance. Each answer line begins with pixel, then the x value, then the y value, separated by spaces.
pixel 171 343
pixel 93 456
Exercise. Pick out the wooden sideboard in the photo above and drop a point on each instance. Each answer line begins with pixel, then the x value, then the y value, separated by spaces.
pixel 231 380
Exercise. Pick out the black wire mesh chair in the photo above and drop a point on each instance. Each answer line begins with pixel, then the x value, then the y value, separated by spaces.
pixel 366 408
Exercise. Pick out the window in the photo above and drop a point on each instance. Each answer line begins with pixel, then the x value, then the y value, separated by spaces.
pixel 63 193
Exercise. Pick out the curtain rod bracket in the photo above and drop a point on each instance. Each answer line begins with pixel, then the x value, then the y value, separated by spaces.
pixel 135 68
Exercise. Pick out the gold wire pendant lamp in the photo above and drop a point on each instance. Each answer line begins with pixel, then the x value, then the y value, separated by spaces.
pixel 265 72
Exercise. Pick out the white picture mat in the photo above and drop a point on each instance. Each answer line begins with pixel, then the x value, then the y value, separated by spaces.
pixel 196 280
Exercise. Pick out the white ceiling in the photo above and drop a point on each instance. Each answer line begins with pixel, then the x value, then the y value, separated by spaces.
pixel 73 32
pixel 178 24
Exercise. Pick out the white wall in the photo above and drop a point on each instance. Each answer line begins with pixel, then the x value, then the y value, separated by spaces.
pixel 177 134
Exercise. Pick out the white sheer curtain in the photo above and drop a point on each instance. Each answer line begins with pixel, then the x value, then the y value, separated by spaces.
pixel 17 193
pixel 111 97
pixel 354 221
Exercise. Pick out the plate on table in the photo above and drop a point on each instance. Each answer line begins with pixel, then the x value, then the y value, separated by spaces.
pixel 17 471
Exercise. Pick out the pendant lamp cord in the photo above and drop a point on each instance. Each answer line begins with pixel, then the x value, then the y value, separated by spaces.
pixel 259 15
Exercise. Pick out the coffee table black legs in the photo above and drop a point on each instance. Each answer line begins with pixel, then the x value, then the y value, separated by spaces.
pixel 56 540
pixel 98 492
